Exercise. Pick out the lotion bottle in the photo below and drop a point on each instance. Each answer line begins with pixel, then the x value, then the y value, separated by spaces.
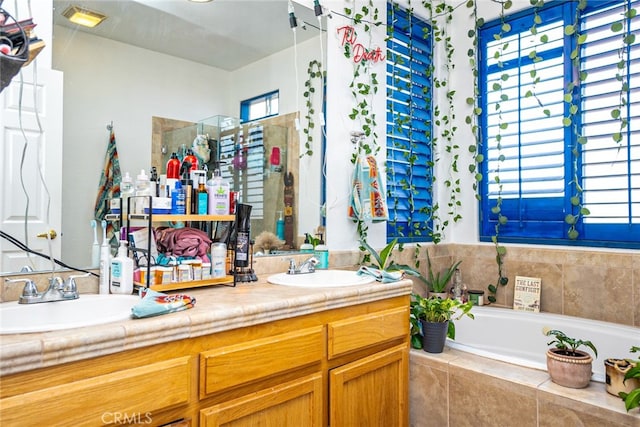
pixel 218 190
pixel 122 271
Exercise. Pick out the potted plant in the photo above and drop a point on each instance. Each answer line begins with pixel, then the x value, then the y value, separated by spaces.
pixel 568 366
pixel 632 376
pixel 436 283
pixel 432 321
pixel 616 370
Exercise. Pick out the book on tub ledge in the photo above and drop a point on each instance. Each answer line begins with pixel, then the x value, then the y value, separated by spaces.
pixel 526 294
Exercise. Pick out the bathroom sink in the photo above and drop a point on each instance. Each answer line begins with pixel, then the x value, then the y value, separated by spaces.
pixel 51 316
pixel 321 279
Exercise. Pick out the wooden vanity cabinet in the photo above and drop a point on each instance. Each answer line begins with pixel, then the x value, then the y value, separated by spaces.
pixel 341 367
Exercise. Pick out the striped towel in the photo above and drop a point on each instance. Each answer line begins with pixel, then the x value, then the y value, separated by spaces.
pixel 368 199
pixel 109 187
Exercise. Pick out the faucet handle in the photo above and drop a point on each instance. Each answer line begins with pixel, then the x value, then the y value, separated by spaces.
pixel 292 266
pixel 70 287
pixel 29 292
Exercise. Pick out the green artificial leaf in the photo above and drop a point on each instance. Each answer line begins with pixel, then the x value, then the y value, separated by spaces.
pixel 616 27
pixel 573 234
pixel 570 219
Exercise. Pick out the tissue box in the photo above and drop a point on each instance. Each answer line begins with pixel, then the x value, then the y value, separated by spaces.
pixel 159 205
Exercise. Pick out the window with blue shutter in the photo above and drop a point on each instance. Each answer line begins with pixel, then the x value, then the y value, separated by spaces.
pixel 408 126
pixel 526 143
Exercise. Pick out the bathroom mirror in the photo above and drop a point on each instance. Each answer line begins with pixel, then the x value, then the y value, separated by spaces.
pixel 202 59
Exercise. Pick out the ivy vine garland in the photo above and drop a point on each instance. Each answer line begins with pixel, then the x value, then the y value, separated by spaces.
pixel 314 70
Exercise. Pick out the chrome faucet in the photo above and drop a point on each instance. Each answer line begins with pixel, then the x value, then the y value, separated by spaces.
pixel 307 266
pixel 58 290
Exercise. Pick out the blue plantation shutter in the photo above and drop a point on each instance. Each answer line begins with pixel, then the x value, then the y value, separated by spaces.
pixel 610 170
pixel 526 143
pixel 408 123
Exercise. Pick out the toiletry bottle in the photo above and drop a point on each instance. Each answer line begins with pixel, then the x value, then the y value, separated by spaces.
pixel 173 167
pixel 218 260
pixel 306 247
pixel 187 185
pixel 203 196
pixel 322 253
pixel 153 181
pixel 218 194
pixel 456 287
pixel 191 158
pixel 126 190
pixel 178 200
pixel 105 262
pixel 143 188
pixel 122 271
pixel 280 226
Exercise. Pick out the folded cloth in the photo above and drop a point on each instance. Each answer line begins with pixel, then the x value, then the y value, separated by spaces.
pixel 155 303
pixel 380 275
pixel 368 199
pixel 183 242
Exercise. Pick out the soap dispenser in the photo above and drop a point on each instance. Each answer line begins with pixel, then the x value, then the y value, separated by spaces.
pixel 306 247
pixel 322 253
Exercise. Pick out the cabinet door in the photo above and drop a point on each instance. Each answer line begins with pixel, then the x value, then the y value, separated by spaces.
pixel 296 403
pixel 371 391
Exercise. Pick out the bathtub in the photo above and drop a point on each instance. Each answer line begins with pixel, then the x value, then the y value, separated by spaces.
pixel 516 337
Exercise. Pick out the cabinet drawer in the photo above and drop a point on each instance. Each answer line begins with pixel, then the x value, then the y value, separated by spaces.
pixel 367 330
pixel 296 403
pixel 134 394
pixel 249 361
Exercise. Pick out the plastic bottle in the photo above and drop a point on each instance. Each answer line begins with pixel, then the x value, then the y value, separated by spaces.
pixel 203 196
pixel 122 271
pixel 143 188
pixel 178 200
pixel 322 253
pixel 173 167
pixel 280 226
pixel 218 190
pixel 126 191
pixel 456 287
pixel 306 247
pixel 218 260
pixel 105 262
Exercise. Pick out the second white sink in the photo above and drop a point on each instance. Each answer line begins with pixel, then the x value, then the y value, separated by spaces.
pixel 50 316
pixel 321 279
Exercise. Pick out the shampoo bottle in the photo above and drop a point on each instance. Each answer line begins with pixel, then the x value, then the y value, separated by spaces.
pixel 280 226
pixel 218 190
pixel 143 188
pixel 122 271
pixel 126 191
pixel 178 200
pixel 203 196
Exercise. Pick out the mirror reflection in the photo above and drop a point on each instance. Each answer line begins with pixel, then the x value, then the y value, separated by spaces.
pixel 174 60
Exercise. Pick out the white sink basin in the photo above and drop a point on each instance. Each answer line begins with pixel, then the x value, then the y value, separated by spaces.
pixel 321 279
pixel 51 316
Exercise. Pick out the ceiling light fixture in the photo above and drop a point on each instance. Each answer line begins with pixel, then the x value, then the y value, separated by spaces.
pixel 84 17
pixel 200 1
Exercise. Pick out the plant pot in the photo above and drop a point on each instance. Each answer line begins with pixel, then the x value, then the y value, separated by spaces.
pixel 573 371
pixel 441 295
pixel 615 370
pixel 434 334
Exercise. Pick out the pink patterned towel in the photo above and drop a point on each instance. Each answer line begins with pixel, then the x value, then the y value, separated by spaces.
pixel 183 242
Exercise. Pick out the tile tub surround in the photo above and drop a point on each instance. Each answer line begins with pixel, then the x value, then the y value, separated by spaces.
pixel 217 309
pixel 455 388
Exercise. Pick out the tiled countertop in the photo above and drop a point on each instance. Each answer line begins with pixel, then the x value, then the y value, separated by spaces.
pixel 218 308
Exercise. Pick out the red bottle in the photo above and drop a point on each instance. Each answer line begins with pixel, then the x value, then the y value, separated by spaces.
pixel 173 167
pixel 191 159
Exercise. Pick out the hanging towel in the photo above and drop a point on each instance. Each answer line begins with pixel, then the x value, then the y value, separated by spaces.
pixel 368 199
pixel 155 303
pixel 109 187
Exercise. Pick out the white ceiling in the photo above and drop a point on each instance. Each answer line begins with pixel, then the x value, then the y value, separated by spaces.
pixel 226 34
